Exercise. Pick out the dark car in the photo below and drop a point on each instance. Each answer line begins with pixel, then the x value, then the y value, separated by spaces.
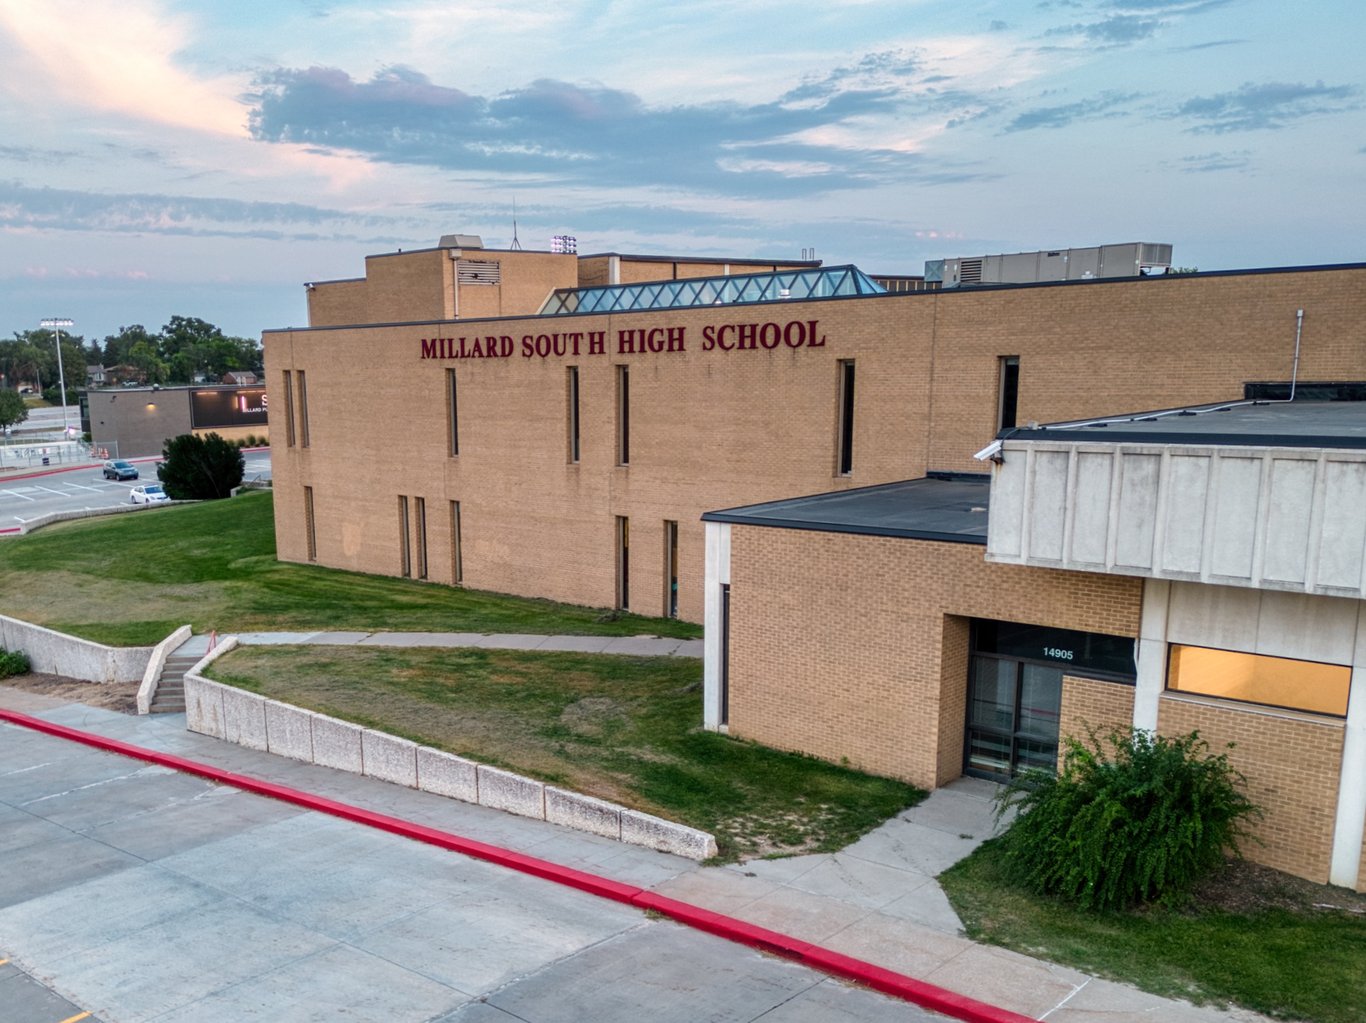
pixel 120 470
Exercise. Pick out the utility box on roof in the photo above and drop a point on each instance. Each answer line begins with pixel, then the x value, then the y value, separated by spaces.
pixel 1130 259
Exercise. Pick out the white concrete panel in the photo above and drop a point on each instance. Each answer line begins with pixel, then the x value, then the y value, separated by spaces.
pixel 447 775
pixel 1183 532
pixel 1343 538
pixel 388 758
pixel 716 574
pixel 1237 498
pixel 1307 627
pixel 504 790
pixel 1006 523
pixel 1091 507
pixel 582 813
pixel 1137 510
pixel 1047 505
pixel 244 718
pixel 1345 863
pixel 289 731
pixel 1222 617
pixel 1286 554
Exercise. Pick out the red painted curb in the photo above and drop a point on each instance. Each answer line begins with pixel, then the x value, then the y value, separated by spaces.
pixel 898 985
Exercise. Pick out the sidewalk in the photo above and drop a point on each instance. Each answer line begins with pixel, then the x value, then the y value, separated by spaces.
pixel 640 646
pixel 876 900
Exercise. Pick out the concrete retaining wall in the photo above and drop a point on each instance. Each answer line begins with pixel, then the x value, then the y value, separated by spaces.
pixel 59 654
pixel 224 712
pixel 84 513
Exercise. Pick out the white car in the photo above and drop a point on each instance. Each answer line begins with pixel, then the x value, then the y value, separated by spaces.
pixel 148 493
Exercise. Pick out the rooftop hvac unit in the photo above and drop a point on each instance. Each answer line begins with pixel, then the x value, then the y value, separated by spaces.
pixel 1129 259
pixel 461 241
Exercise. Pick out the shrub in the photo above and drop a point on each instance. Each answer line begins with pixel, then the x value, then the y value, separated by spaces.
pixel 200 468
pixel 1132 819
pixel 13 662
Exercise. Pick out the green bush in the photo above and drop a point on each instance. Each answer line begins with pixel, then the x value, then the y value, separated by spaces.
pixel 200 468
pixel 13 662
pixel 1130 819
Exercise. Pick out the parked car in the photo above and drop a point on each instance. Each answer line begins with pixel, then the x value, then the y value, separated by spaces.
pixel 118 469
pixel 148 493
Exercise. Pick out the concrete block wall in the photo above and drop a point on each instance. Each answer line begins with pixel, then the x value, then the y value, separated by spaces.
pixel 59 654
pixel 259 723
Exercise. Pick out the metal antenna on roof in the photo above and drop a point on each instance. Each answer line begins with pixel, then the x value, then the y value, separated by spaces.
pixel 516 245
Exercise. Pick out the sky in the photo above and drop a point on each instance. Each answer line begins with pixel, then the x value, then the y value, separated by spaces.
pixel 205 158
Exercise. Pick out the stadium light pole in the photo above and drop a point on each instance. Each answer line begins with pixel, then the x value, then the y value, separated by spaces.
pixel 56 323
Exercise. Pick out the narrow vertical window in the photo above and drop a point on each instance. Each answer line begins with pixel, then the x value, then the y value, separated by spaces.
pixel 573 418
pixel 405 557
pixel 420 527
pixel 623 562
pixel 452 416
pixel 303 410
pixel 724 716
pixel 844 455
pixel 623 415
pixel 310 528
pixel 457 569
pixel 289 409
pixel 1009 389
pixel 670 569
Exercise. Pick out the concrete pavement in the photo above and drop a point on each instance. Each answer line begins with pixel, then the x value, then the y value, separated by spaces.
pixel 875 900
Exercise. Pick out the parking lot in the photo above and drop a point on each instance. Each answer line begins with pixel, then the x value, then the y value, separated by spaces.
pixel 29 496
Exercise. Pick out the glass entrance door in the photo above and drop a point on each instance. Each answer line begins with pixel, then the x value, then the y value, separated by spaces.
pixel 1013 709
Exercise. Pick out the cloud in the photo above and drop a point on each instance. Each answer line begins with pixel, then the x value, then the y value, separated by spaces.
pixel 32 154
pixel 1270 105
pixel 1116 30
pixel 1205 163
pixel 26 208
pixel 559 133
pixel 1103 106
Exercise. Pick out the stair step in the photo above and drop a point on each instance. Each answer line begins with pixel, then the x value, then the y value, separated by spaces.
pixel 167 708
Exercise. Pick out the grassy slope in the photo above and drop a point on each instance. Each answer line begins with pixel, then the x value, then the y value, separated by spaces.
pixel 621 728
pixel 131 579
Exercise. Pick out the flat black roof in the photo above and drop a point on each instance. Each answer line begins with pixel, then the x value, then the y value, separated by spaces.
pixel 1298 424
pixel 943 506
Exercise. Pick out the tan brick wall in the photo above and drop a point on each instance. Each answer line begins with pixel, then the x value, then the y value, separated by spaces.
pixel 717 429
pixel 856 646
pixel 408 287
pixel 1292 764
pixel 1090 705
pixel 1104 348
pixel 528 278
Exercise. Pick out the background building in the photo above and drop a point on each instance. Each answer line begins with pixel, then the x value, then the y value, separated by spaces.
pixel 130 422
pixel 558 426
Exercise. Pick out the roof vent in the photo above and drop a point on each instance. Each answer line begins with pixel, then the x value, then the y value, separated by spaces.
pixel 461 241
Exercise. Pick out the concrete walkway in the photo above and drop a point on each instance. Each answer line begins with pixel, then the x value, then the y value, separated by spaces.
pixel 876 900
pixel 640 646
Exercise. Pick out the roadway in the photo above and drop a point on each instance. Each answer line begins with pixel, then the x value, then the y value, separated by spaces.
pixel 31 493
pixel 136 893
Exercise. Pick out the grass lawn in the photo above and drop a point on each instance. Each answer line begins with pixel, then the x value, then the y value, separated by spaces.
pixel 620 728
pixel 131 579
pixel 1251 937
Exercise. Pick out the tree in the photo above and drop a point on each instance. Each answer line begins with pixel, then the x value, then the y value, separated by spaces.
pixel 13 411
pixel 200 468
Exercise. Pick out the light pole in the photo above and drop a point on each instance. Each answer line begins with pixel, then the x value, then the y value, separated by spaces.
pixel 56 323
